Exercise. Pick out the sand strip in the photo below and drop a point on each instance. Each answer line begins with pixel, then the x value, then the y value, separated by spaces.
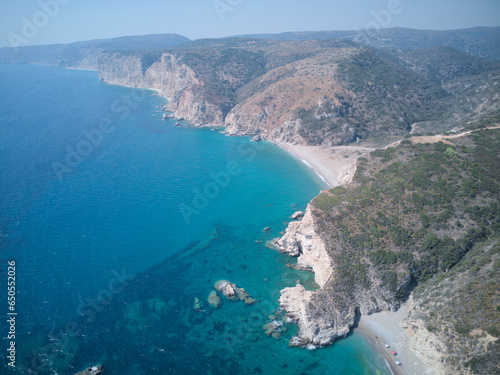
pixel 329 163
pixel 385 328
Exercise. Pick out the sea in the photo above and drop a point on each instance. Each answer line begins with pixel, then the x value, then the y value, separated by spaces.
pixel 115 225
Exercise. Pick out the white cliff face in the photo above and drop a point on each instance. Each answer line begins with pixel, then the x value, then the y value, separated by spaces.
pixel 313 330
pixel 321 328
pixel 172 79
pixel 301 240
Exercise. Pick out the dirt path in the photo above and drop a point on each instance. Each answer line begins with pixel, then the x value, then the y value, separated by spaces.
pixel 445 138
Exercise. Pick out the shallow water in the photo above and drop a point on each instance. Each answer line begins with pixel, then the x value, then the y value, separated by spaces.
pixel 113 245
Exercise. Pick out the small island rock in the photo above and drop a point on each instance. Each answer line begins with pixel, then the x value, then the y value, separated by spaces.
pixel 214 299
pixel 92 370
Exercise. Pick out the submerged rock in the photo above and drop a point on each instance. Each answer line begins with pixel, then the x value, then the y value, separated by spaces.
pixel 92 370
pixel 214 299
pixel 245 297
pixel 276 335
pixel 198 304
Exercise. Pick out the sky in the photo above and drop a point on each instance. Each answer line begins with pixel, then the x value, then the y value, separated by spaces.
pixel 33 22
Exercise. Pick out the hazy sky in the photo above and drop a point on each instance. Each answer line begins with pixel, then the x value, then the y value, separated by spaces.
pixel 30 22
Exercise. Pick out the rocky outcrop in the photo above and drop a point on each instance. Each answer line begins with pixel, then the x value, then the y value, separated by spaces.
pixel 329 312
pixel 313 330
pixel 233 293
pixel 214 299
pixel 297 215
pixel 170 77
pixel 92 370
pixel 302 241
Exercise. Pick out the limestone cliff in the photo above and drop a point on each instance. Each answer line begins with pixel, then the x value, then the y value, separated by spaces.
pixel 301 240
pixel 171 78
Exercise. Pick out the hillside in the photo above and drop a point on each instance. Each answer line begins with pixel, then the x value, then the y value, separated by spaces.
pixel 300 90
pixel 479 41
pixel 418 215
pixel 324 92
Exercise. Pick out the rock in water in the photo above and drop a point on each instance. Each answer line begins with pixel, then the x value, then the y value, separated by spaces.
pixel 233 293
pixel 244 296
pixel 92 370
pixel 214 299
pixel 298 215
pixel 227 288
pixel 198 304
pixel 257 138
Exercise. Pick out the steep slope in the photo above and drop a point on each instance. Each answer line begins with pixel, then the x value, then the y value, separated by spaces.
pixel 458 313
pixel 324 92
pixel 414 215
pixel 315 92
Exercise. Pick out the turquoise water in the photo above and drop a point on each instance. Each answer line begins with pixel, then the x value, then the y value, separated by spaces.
pixel 118 221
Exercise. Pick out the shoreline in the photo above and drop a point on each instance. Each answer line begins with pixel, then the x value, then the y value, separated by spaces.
pixel 335 166
pixel 332 164
pixel 386 328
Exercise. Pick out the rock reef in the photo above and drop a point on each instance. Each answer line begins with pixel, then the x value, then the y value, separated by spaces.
pixel 92 370
pixel 233 293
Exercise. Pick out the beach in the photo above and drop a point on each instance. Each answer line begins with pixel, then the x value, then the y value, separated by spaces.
pixel 335 166
pixel 331 164
pixel 386 328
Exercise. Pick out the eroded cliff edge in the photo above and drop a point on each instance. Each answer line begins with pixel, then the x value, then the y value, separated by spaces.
pixel 418 220
pixel 170 77
pixel 329 312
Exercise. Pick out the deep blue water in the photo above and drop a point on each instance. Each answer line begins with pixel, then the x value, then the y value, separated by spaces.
pixel 117 221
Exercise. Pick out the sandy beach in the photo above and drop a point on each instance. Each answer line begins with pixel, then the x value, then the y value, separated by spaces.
pixel 331 164
pixel 386 328
pixel 334 165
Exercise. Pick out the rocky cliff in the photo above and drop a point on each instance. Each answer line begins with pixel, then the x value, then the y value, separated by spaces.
pixel 171 78
pixel 311 93
pixel 321 320
pixel 414 222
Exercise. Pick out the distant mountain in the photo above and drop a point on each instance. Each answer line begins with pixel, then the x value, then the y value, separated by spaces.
pixel 478 41
pixel 84 54
pixel 308 91
pixel 128 43
pixel 326 92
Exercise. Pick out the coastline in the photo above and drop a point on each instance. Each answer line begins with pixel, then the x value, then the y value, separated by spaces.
pixel 333 165
pixel 386 328
pixel 336 166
